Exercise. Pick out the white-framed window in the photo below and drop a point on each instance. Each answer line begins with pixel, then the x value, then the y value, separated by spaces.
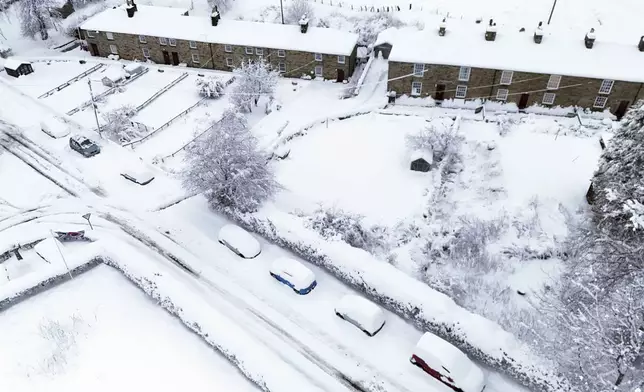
pixel 142 39
pixel 163 41
pixel 553 82
pixel 502 94
pixel 195 58
pixel 259 51
pixel 318 70
pixel 228 48
pixel 461 91
pixel 146 52
pixel 193 44
pixel 281 53
pixel 172 42
pixel 114 49
pixel 229 62
pixel 249 50
pixel 341 59
pixel 606 87
pixel 506 77
pixel 90 34
pixel 416 88
pixel 548 98
pixel 464 74
pixel 318 57
pixel 419 69
pixel 282 67
pixel 109 35
pixel 600 102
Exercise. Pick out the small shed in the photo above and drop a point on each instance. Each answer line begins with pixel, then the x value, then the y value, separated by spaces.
pixel 421 161
pixel 113 76
pixel 16 68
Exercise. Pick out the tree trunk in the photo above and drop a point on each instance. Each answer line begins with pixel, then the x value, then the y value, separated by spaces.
pixel 620 378
pixel 44 34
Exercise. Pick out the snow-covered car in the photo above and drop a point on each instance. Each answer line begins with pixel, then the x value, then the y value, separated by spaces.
pixel 362 313
pixel 84 146
pixel 447 364
pixel 293 274
pixel 67 236
pixel 239 241
pixel 54 129
pixel 137 175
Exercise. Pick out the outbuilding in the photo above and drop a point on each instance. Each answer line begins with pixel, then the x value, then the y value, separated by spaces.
pixel 133 69
pixel 113 76
pixel 421 161
pixel 16 68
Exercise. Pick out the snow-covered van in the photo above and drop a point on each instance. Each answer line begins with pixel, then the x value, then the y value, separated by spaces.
pixel 293 274
pixel 239 241
pixel 362 313
pixel 447 364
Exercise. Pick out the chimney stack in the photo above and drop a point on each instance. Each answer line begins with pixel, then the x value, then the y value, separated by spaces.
pixel 304 24
pixel 641 44
pixel 589 39
pixel 490 31
pixel 538 34
pixel 215 16
pixel 442 28
pixel 130 8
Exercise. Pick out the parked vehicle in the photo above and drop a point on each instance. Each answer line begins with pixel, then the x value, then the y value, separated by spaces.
pixel 293 274
pixel 138 175
pixel 54 129
pixel 66 236
pixel 447 364
pixel 362 313
pixel 84 146
pixel 239 241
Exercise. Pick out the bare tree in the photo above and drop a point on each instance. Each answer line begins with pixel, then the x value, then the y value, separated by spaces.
pixel 37 16
pixel 297 10
pixel 222 5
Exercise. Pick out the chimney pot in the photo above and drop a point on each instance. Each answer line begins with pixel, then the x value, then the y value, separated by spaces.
pixel 641 44
pixel 304 24
pixel 442 28
pixel 589 39
pixel 215 16
pixel 490 31
pixel 538 34
pixel 130 10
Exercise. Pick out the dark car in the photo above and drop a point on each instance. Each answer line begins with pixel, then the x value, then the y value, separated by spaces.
pixel 84 146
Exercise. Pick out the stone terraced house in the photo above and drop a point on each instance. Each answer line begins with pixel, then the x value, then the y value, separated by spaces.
pixel 468 61
pixel 171 36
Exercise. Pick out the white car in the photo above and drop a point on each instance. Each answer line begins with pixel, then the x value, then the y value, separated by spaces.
pixel 138 175
pixel 447 364
pixel 362 313
pixel 293 274
pixel 239 241
pixel 54 129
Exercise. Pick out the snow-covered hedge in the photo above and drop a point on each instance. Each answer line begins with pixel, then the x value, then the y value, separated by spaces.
pixel 413 300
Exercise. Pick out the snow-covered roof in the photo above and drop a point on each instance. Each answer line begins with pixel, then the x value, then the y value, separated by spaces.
pixel 241 240
pixel 167 22
pixel 13 63
pixel 365 312
pixel 133 67
pixel 114 74
pixel 560 53
pixel 294 271
pixel 424 154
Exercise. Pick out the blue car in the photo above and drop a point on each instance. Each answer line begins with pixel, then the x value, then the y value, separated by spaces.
pixel 293 274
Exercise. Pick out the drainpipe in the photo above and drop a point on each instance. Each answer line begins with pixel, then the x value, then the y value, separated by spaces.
pixel 212 57
pixel 489 96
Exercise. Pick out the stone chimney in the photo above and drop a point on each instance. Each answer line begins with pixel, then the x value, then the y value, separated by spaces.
pixel 538 34
pixel 442 28
pixel 589 39
pixel 641 44
pixel 304 24
pixel 130 8
pixel 490 31
pixel 215 16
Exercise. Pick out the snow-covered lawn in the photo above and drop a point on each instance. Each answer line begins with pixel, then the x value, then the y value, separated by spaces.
pixel 101 333
pixel 48 75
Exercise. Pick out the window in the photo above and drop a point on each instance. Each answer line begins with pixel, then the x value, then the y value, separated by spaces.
pixel 553 82
pixel 318 70
pixel 600 102
pixel 419 69
pixel 249 50
pixel 318 57
pixel 606 87
pixel 172 41
pixel 461 91
pixel 502 94
pixel 548 98
pixel 464 74
pixel 259 51
pixel 114 49
pixel 281 53
pixel 229 62
pixel 195 58
pixel 90 34
pixel 146 52
pixel 506 77
pixel 193 45
pixel 142 39
pixel 163 41
pixel 282 67
pixel 341 59
pixel 228 48
pixel 109 36
pixel 416 88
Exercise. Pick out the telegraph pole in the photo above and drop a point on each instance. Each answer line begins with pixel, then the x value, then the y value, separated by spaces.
pixel 91 94
pixel 282 11
pixel 552 11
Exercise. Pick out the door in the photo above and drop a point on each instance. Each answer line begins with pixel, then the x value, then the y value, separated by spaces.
pixel 93 49
pixel 621 110
pixel 523 101
pixel 166 57
pixel 175 58
pixel 440 92
pixel 340 75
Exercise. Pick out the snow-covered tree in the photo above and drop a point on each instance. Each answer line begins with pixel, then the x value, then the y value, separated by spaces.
pixel 210 87
pixel 118 126
pixel 222 5
pixel 254 79
pixel 297 10
pixel 37 16
pixel 228 168
pixel 440 142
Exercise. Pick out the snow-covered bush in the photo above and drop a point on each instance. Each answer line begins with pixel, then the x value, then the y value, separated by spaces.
pixel 37 16
pixel 5 51
pixel 61 338
pixel 227 166
pixel 334 223
pixel 118 126
pixel 210 87
pixel 442 142
pixel 297 10
pixel 254 79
